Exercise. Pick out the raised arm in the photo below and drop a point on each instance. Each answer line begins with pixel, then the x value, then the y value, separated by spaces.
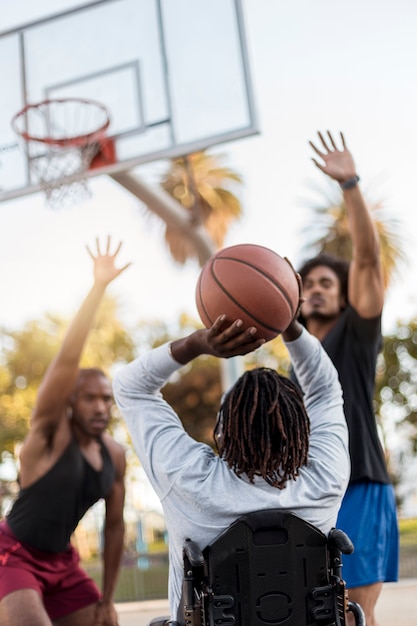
pixel 61 375
pixel 366 284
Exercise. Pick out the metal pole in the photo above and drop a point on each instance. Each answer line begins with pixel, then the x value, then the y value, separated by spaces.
pixel 168 209
pixel 174 214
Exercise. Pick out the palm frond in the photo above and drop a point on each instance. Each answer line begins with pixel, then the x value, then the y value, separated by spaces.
pixel 328 231
pixel 199 182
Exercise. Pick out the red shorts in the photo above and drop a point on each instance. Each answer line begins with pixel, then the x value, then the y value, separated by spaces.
pixel 57 577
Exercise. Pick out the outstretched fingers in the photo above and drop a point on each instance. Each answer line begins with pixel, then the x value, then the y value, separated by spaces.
pixel 107 252
pixel 90 253
pixel 116 252
pixel 122 269
pixel 330 136
pixel 316 150
pixel 105 269
pixel 319 165
pixel 329 145
pixel 323 141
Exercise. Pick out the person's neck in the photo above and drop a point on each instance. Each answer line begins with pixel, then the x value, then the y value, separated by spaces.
pixel 84 440
pixel 320 327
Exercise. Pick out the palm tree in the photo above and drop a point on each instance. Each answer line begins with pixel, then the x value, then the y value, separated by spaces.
pixel 328 231
pixel 198 182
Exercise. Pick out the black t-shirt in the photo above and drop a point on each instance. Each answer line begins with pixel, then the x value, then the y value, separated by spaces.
pixel 353 345
pixel 47 512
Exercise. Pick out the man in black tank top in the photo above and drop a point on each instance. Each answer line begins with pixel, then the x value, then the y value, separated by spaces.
pixel 342 308
pixel 68 461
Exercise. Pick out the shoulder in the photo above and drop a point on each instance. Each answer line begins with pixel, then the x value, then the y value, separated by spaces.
pixel 116 450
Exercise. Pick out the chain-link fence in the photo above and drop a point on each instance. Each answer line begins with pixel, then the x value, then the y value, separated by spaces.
pixel 142 577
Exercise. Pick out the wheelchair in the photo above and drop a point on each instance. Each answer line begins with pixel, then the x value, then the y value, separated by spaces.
pixel 269 568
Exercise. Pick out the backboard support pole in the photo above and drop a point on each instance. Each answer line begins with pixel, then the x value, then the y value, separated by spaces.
pixel 173 213
pixel 168 209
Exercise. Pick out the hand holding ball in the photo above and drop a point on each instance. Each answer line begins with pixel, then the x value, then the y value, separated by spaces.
pixel 251 283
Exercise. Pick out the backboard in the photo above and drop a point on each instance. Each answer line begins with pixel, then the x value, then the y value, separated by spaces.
pixel 173 74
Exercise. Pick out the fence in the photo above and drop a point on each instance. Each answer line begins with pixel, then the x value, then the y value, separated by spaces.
pixel 142 577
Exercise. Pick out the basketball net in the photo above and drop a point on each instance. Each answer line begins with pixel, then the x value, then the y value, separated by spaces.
pixel 61 139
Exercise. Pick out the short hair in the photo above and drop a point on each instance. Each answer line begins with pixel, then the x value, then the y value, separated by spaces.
pixel 339 266
pixel 87 372
pixel 263 427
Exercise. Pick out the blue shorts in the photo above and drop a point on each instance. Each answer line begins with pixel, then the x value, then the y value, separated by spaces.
pixel 368 515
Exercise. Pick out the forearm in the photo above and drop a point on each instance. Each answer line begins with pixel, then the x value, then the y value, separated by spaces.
pixel 186 349
pixel 364 237
pixel 144 376
pixel 293 331
pixel 112 555
pixel 79 328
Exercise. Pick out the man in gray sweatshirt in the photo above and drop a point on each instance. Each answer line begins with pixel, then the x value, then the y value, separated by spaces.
pixel 277 447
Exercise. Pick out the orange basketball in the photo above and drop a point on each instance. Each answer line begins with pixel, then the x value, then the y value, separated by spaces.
pixel 251 283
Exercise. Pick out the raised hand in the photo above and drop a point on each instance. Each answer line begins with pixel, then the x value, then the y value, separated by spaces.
pixel 338 163
pixel 105 269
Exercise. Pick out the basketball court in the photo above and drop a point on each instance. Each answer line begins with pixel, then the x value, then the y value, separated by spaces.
pixel 110 85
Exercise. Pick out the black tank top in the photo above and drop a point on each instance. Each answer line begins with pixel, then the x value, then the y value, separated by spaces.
pixel 46 513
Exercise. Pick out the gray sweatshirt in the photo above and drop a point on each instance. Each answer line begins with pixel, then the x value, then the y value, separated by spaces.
pixel 200 494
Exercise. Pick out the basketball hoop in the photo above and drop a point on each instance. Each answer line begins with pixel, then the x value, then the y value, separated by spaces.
pixel 61 138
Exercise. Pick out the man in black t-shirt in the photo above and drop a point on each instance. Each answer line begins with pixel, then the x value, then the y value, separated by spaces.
pixel 342 308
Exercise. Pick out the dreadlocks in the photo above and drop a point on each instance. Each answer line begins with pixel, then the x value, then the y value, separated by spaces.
pixel 263 427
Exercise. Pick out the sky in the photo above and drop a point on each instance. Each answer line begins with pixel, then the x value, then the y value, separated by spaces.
pixel 315 66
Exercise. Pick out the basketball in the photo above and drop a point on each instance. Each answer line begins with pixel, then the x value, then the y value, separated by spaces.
pixel 251 283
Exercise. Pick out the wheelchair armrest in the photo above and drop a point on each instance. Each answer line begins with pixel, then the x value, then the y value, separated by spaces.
pixel 357 611
pixel 339 539
pixel 193 553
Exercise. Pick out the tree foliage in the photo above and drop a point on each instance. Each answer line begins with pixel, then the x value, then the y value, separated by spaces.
pixel 396 387
pixel 26 353
pixel 201 184
pixel 195 395
pixel 328 231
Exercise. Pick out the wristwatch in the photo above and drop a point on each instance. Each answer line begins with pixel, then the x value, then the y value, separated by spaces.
pixel 350 183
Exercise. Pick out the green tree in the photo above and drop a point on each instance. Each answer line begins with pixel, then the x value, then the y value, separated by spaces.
pixel 202 185
pixel 26 353
pixel 328 230
pixel 396 385
pixel 396 402
pixel 195 395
